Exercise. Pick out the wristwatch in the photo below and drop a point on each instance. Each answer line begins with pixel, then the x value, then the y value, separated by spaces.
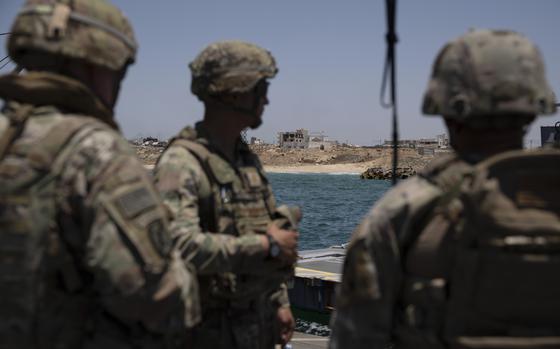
pixel 273 247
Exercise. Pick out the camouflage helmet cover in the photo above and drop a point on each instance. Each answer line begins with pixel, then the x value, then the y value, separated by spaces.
pixel 488 73
pixel 230 67
pixel 93 31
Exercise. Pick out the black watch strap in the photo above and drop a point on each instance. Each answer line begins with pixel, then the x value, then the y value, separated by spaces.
pixel 273 247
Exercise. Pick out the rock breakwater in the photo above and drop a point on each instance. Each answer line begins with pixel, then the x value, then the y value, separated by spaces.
pixel 383 173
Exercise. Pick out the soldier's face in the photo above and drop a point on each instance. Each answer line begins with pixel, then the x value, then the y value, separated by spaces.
pixel 249 106
pixel 260 98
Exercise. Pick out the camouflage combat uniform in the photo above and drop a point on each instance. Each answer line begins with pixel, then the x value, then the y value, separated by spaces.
pixel 402 281
pixel 85 252
pixel 218 208
pixel 373 274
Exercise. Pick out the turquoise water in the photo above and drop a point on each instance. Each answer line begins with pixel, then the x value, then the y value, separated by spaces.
pixel 332 204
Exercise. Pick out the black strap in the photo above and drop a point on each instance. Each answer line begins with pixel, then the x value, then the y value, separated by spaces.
pixel 207 204
pixel 17 115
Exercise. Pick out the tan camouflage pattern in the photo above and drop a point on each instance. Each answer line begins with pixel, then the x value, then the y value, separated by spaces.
pixel 366 303
pixel 235 277
pixel 178 177
pixel 488 73
pixel 94 44
pixel 137 291
pixel 230 67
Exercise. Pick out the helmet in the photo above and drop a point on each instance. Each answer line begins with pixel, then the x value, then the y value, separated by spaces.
pixel 93 31
pixel 488 74
pixel 230 67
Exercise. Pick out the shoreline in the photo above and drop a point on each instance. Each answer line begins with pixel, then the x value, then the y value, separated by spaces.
pixel 351 169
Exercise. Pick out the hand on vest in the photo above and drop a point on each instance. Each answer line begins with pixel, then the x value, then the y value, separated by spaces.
pixel 287 240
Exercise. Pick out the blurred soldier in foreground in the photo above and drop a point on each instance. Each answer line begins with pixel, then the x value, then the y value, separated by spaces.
pixel 224 217
pixel 465 255
pixel 85 252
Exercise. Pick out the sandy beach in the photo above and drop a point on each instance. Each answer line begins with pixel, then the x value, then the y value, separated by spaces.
pixel 338 169
pixel 339 160
pixel 332 169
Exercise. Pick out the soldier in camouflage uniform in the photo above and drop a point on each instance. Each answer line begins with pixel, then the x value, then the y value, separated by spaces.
pixel 224 217
pixel 85 252
pixel 409 277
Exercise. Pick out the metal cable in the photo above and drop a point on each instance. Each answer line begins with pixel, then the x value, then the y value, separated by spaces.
pixel 390 73
pixel 5 64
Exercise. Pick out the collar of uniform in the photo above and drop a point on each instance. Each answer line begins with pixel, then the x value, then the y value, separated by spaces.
pixel 199 132
pixel 49 89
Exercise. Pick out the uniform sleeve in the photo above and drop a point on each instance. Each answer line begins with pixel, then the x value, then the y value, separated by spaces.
pixel 366 298
pixel 116 222
pixel 178 178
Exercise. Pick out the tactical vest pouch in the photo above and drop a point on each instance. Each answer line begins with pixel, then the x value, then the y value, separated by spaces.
pixel 234 203
pixel 505 286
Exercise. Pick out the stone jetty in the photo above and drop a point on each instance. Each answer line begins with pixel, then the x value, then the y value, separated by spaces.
pixel 383 173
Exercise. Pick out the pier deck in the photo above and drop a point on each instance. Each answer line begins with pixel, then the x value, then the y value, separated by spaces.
pixel 312 292
pixel 307 341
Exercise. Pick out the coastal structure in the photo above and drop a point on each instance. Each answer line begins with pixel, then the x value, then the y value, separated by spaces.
pixel 299 139
pixel 256 141
pixel 303 139
pixel 549 134
pixel 439 141
pixel 424 146
pixel 320 141
pixel 148 142
pixel 443 141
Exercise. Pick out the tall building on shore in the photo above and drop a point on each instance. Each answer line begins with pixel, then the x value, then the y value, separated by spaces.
pixel 294 140
pixel 549 134
pixel 303 139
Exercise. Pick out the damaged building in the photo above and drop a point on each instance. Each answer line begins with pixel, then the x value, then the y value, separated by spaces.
pixel 294 140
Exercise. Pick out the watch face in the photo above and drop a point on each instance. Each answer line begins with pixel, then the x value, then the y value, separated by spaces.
pixel 274 250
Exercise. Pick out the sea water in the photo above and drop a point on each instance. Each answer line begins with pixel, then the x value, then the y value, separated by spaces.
pixel 332 204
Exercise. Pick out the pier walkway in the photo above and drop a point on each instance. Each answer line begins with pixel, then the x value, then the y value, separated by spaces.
pixel 307 341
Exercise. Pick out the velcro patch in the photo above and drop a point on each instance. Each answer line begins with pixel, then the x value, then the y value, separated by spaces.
pixel 134 202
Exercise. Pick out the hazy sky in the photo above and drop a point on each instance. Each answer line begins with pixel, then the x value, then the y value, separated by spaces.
pixel 330 55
